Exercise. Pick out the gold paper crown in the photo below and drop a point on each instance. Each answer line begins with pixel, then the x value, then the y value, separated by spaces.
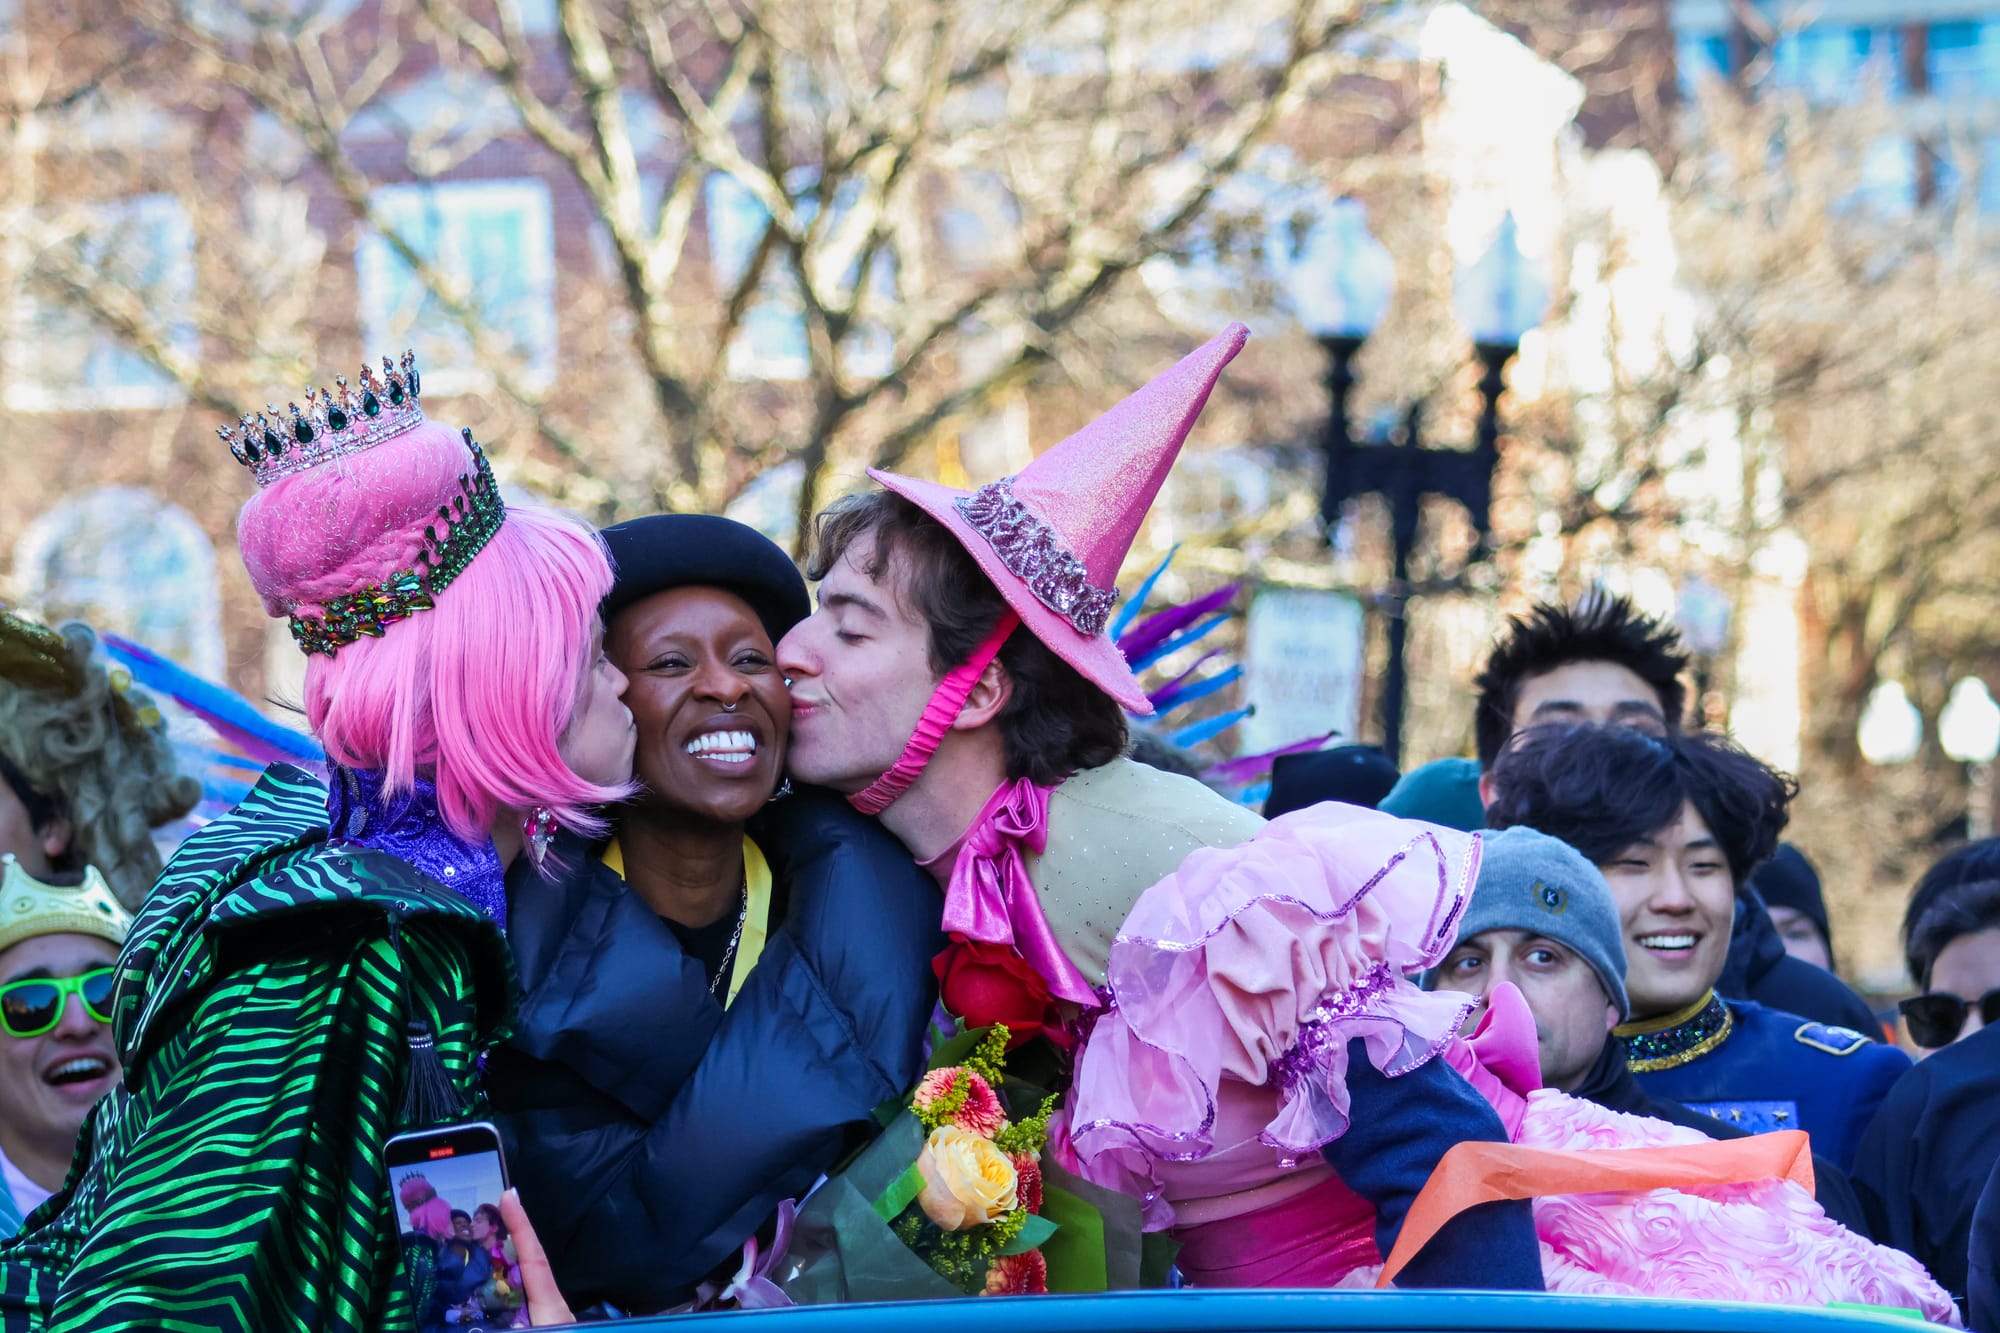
pixel 30 908
pixel 331 425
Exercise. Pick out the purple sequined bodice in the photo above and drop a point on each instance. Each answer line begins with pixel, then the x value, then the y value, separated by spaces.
pixel 410 827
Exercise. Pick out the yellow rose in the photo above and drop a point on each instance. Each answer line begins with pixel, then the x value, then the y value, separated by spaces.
pixel 967 1180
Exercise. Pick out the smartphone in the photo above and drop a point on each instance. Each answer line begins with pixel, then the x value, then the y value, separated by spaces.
pixel 442 1178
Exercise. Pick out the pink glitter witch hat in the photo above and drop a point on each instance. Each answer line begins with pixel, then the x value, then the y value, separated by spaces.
pixel 1052 536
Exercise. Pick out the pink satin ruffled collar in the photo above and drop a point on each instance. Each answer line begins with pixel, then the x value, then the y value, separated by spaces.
pixel 990 898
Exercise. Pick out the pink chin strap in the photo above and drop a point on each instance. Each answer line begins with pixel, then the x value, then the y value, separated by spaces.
pixel 947 701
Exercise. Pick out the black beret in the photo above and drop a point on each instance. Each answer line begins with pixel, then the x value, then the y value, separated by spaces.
pixel 1355 774
pixel 663 551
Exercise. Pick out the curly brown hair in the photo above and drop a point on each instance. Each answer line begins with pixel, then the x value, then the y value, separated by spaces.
pixel 97 754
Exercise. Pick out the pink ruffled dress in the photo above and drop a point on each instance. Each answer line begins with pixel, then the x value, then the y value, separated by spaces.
pixel 1218 1072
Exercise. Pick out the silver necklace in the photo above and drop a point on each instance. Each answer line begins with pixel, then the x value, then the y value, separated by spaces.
pixel 729 954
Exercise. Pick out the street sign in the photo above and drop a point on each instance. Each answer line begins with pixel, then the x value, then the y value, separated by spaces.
pixel 1303 654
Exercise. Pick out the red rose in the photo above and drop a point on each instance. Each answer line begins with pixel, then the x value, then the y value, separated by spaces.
pixel 984 984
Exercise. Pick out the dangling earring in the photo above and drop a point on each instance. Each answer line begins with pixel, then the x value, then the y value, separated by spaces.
pixel 538 830
pixel 784 790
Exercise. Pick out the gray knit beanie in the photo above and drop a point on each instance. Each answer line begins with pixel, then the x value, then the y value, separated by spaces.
pixel 1530 881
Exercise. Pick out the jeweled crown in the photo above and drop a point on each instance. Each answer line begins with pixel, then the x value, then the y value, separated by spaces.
pixel 333 423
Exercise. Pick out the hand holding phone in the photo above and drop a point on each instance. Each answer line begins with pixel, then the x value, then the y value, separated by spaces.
pixel 450 1184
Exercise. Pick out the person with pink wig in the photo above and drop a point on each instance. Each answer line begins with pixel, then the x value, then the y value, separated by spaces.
pixel 324 967
pixel 429 1213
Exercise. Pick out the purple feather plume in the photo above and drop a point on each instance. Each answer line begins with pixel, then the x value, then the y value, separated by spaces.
pixel 1157 628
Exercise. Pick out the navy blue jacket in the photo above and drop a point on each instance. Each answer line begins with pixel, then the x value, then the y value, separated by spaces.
pixel 1932 1146
pixel 1780 1071
pixel 1759 969
pixel 649 1131
pixel 1398 1130
pixel 1982 1275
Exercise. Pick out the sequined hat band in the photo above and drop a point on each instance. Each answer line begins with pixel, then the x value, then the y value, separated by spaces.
pixel 1034 553
pixel 462 530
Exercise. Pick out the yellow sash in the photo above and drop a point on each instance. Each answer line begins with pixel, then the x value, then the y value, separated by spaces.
pixel 756 910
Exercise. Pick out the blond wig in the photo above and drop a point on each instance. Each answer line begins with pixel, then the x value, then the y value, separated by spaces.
pixel 94 747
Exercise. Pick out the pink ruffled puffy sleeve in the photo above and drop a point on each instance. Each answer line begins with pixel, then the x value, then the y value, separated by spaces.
pixel 1256 965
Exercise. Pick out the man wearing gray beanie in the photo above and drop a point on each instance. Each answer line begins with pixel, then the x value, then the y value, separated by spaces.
pixel 1543 918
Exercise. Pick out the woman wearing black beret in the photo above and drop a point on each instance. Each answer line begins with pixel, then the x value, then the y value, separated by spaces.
pixel 715 999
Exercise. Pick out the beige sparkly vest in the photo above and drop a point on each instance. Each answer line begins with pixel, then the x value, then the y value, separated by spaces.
pixel 1114 832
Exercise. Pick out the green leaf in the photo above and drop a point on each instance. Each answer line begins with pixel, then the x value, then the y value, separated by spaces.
pixel 1033 1232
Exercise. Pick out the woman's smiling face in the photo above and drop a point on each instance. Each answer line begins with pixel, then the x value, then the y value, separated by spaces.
pixel 710 705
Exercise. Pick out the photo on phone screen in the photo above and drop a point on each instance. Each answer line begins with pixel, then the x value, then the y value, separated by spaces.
pixel 447 1185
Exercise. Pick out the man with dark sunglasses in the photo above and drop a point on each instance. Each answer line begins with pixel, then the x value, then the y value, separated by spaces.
pixel 59 945
pixel 1936 1139
pixel 1952 946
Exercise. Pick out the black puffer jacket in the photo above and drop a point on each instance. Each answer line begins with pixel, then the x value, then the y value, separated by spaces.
pixel 649 1131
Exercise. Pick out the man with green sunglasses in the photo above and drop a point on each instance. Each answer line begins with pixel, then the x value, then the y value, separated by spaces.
pixel 59 945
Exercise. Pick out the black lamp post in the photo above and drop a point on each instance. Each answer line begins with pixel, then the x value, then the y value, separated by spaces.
pixel 1403 472
pixel 1500 298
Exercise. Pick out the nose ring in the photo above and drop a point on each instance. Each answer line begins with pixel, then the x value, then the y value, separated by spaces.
pixel 729 708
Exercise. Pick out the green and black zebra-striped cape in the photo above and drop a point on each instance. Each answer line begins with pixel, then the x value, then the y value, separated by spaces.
pixel 236 1180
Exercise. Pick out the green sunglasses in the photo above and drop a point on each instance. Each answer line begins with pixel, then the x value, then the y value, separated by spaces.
pixel 30 1008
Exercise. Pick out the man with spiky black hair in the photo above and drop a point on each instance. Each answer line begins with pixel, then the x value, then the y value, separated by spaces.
pixel 1604 662
pixel 1599 661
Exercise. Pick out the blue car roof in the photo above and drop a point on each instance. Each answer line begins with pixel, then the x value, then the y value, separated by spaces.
pixel 1300 1311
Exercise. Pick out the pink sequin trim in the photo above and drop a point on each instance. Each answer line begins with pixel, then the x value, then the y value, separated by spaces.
pixel 1034 553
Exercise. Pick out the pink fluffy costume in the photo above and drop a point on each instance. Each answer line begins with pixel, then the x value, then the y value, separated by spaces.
pixel 1221 1070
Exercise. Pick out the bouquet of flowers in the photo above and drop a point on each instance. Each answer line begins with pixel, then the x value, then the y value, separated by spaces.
pixel 970 1205
pixel 954 1198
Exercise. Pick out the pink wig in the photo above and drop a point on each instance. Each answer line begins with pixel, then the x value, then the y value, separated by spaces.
pixel 474 693
pixel 428 1213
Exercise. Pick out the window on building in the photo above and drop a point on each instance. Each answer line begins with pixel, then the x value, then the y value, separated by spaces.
pixel 770 341
pixel 493 241
pixel 62 357
pixel 1962 59
pixel 127 561
pixel 1828 61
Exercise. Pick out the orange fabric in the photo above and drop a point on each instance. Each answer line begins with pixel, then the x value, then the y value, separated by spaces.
pixel 1476 1173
